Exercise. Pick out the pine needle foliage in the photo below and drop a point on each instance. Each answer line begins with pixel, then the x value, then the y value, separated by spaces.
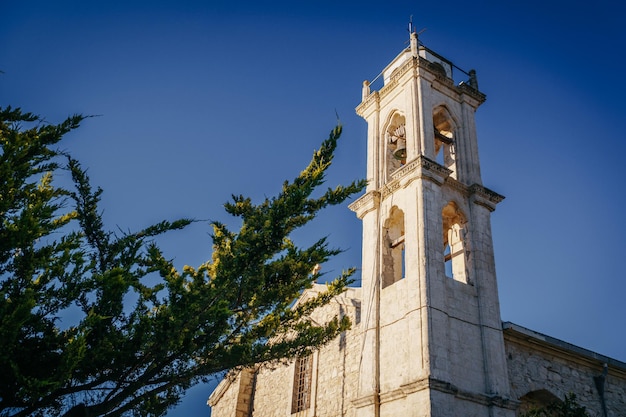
pixel 56 256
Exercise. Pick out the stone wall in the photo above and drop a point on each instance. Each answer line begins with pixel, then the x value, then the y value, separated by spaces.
pixel 541 368
pixel 335 369
pixel 334 378
pixel 232 396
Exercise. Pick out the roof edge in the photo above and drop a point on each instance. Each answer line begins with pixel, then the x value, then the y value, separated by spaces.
pixel 521 332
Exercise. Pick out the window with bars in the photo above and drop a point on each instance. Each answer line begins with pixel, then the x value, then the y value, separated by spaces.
pixel 302 384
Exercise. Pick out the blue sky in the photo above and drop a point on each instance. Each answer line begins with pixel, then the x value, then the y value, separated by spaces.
pixel 200 100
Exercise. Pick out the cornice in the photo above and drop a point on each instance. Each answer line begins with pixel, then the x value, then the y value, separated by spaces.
pixel 373 98
pixel 366 203
pixel 219 391
pixel 463 89
pixel 365 401
pixel 419 168
pixel 389 188
pixel 472 92
pixel 388 87
pixel 434 384
pixel 539 342
pixel 400 71
pixel 458 186
pixel 428 169
pixel 484 196
pixel 224 385
pixel 396 75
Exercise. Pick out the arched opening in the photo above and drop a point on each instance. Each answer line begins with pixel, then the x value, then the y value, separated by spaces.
pixel 443 126
pixel 393 248
pixel 455 250
pixel 535 400
pixel 395 135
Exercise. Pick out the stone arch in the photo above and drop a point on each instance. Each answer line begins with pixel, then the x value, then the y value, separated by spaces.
pixel 393 247
pixel 455 242
pixel 536 399
pixel 395 142
pixel 444 128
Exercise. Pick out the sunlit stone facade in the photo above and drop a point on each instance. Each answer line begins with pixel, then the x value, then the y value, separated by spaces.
pixel 427 338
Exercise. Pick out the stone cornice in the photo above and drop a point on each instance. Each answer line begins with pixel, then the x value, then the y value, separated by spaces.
pixel 463 89
pixel 428 169
pixel 485 399
pixel 408 65
pixel 458 186
pixel 441 386
pixel 388 87
pixel 448 388
pixel 551 346
pixel 395 77
pixel 373 98
pixel 366 203
pixel 365 401
pixel 219 391
pixel 389 188
pixel 484 196
pixel 472 92
pixel 225 383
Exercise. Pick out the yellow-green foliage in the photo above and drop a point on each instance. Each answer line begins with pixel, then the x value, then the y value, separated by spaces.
pixel 146 331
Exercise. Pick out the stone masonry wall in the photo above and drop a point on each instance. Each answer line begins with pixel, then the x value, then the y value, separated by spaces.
pixel 335 371
pixel 231 397
pixel 536 365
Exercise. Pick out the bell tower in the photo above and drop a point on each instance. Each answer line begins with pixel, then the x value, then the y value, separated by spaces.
pixel 432 335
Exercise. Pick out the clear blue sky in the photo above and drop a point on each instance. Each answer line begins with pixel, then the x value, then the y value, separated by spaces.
pixel 198 101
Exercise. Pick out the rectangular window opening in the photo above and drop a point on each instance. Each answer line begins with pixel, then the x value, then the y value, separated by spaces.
pixel 302 384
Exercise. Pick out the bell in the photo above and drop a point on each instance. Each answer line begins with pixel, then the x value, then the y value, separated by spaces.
pixel 400 152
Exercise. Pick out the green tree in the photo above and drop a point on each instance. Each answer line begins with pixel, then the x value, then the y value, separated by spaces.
pixel 569 407
pixel 140 342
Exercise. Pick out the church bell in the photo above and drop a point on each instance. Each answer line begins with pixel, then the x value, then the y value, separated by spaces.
pixel 399 137
pixel 400 152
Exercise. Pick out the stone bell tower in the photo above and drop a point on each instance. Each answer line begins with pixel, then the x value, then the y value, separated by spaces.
pixel 432 336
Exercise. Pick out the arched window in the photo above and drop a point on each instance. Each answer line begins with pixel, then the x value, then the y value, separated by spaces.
pixel 455 240
pixel 444 139
pixel 393 248
pixel 395 135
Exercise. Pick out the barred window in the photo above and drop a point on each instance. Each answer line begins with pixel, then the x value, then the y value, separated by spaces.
pixel 302 384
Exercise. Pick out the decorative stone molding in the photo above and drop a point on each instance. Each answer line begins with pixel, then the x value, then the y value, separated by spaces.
pixel 484 196
pixel 219 391
pixel 366 401
pixel 441 386
pixel 472 92
pixel 458 186
pixel 373 98
pixel 388 87
pixel 400 71
pixel 389 188
pixel 428 168
pixel 366 203
pixel 448 388
pixel 553 347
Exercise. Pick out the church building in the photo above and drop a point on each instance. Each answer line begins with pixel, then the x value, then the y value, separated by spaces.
pixel 427 338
